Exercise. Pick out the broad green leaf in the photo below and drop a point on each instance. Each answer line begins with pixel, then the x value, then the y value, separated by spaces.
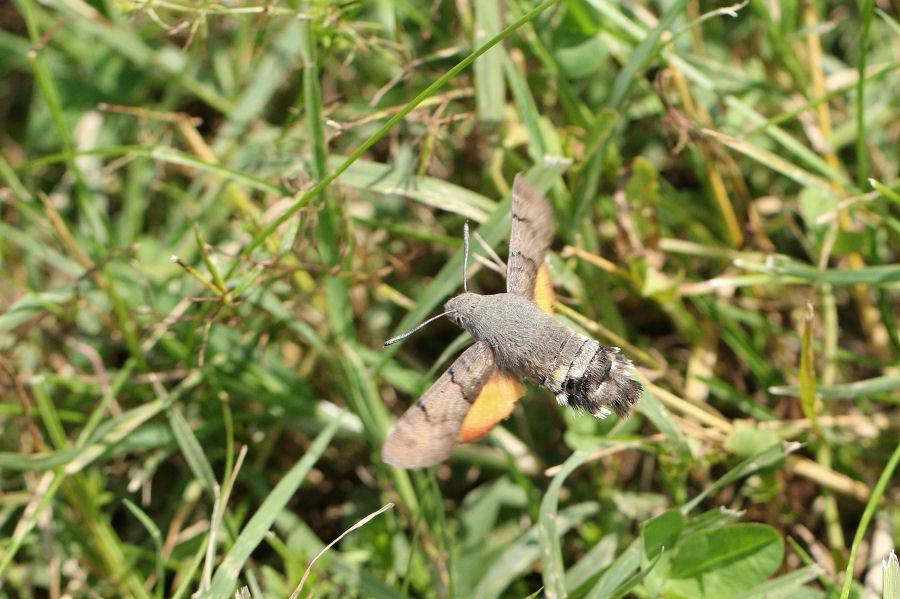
pixel 661 533
pixel 720 563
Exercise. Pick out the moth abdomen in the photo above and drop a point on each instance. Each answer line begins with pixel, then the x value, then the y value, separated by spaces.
pixel 594 378
pixel 527 341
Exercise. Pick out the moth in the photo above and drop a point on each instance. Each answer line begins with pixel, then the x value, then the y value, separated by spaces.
pixel 515 336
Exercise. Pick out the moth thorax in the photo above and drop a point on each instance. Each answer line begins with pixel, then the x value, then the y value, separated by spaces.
pixel 510 323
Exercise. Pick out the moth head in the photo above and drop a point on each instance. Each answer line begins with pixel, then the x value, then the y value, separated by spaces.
pixel 461 307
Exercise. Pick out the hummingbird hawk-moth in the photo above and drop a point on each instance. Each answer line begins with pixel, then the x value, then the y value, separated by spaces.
pixel 515 336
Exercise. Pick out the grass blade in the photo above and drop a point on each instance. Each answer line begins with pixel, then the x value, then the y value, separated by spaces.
pixel 549 535
pixel 258 526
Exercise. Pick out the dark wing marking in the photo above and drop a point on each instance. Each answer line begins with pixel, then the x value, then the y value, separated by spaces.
pixel 532 230
pixel 430 429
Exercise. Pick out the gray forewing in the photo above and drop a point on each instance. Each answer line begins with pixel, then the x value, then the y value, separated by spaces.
pixel 429 430
pixel 532 231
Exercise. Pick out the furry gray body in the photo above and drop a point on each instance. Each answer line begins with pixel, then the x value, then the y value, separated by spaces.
pixel 529 342
pixel 514 337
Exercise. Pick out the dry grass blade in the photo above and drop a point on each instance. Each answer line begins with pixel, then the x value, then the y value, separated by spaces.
pixel 359 524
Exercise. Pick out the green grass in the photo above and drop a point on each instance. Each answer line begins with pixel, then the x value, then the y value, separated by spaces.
pixel 729 214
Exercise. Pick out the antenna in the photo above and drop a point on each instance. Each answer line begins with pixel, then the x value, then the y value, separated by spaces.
pixel 408 333
pixel 465 255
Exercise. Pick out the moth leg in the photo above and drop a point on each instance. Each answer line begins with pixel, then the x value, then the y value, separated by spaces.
pixel 495 263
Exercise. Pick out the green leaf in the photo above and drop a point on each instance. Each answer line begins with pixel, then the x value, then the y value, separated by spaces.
pixel 888 384
pixel 748 439
pixel 660 536
pixel 384 178
pixel 628 562
pixel 591 563
pixel 813 204
pixel 639 57
pixel 758 461
pixel 488 68
pixel 661 533
pixel 789 585
pixel 191 449
pixel 785 267
pixel 891 576
pixel 720 563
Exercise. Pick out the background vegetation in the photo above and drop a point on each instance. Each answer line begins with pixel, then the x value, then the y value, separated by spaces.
pixel 725 182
